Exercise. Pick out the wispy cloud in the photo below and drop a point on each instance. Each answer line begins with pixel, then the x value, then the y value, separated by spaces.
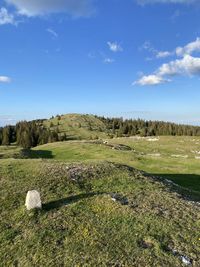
pixel 145 2
pixel 6 17
pixel 163 54
pixel 115 47
pixel 5 79
pixel 52 32
pixel 100 55
pixel 30 8
pixel 147 46
pixel 92 55
pixel 155 53
pixel 108 60
pixel 188 65
pixel 175 15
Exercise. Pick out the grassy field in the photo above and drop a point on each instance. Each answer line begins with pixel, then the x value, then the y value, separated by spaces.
pixel 9 151
pixel 77 126
pixel 174 158
pixel 98 210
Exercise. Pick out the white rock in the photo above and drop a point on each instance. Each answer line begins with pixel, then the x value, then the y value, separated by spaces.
pixel 152 139
pixel 179 156
pixel 154 155
pixel 186 260
pixel 33 200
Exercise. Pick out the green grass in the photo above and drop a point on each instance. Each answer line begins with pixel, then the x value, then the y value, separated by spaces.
pixel 183 171
pixel 80 224
pixel 77 126
pixel 9 151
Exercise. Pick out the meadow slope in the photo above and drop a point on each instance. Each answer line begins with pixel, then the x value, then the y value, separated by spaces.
pixel 98 210
pixel 77 126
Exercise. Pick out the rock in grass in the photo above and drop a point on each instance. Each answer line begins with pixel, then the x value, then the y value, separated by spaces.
pixel 117 197
pixel 33 200
pixel 186 260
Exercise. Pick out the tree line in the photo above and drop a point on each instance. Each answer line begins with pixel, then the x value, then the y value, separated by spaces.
pixel 33 133
pixel 129 127
pixel 28 134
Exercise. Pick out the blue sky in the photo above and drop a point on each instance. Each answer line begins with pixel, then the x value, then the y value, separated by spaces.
pixel 131 58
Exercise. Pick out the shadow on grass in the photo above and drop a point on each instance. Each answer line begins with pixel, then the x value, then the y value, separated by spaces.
pixel 69 200
pixel 37 154
pixel 188 185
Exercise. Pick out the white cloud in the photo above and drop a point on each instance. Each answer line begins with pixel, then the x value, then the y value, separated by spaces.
pixel 156 53
pixel 52 32
pixel 108 60
pixel 163 54
pixel 144 2
pixel 188 65
pixel 5 79
pixel 100 56
pixel 189 48
pixel 31 8
pixel 5 17
pixel 152 79
pixel 115 47
pixel 148 46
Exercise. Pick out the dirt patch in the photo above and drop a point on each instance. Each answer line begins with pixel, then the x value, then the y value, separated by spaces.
pixel 120 147
pixel 154 155
pixel 179 156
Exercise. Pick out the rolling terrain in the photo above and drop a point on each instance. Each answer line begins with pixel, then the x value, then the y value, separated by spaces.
pixel 107 202
pixel 174 158
pixel 77 126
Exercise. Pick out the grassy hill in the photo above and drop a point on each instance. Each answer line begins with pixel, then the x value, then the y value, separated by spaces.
pixel 173 158
pixel 84 223
pixel 98 210
pixel 77 126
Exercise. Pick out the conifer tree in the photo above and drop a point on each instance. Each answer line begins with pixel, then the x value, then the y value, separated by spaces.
pixel 6 136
